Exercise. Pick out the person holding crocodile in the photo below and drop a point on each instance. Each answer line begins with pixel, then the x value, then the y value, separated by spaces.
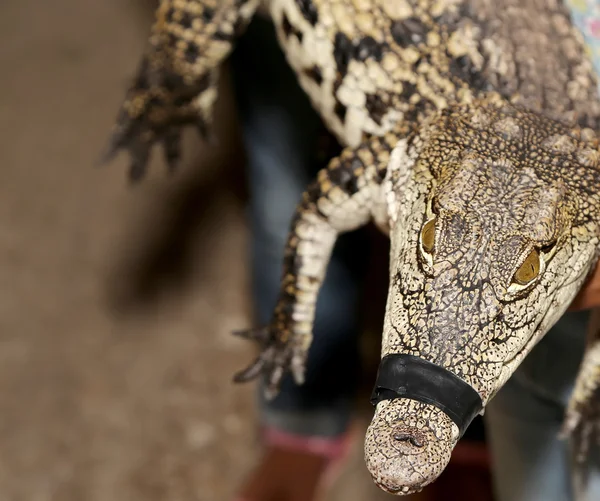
pixel 469 140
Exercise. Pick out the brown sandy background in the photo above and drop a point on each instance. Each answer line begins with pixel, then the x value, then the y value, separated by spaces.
pixel 116 305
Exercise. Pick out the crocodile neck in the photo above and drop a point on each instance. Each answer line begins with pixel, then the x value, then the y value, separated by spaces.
pixel 416 57
pixel 533 55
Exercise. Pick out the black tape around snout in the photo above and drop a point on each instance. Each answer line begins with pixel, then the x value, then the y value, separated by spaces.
pixel 407 376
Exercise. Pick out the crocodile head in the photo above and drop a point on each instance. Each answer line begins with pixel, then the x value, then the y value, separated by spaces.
pixel 494 228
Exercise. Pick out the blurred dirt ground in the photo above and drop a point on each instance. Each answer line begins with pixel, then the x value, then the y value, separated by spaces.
pixel 117 303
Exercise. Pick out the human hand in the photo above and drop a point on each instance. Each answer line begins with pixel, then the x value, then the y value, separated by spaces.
pixel 589 295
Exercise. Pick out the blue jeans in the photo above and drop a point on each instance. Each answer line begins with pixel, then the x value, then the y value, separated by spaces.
pixel 523 421
pixel 280 131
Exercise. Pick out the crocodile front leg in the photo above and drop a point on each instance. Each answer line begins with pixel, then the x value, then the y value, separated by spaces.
pixel 176 82
pixel 582 422
pixel 345 196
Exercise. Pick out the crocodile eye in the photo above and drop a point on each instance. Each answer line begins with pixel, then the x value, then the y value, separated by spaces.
pixel 428 236
pixel 530 268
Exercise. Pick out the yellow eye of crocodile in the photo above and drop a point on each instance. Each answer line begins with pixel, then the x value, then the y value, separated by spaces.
pixel 530 268
pixel 428 236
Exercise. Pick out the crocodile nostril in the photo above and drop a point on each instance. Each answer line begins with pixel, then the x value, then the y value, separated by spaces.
pixel 410 438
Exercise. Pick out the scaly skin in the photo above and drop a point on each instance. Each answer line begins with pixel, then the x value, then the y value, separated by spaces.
pixel 467 133
pixel 176 82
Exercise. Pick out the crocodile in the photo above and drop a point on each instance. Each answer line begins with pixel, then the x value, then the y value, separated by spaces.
pixel 469 134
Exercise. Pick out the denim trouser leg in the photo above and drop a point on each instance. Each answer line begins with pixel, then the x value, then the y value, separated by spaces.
pixel 280 132
pixel 525 417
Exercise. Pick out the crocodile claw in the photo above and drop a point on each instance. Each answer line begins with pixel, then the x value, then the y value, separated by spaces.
pixel 172 148
pixel 259 334
pixel 137 144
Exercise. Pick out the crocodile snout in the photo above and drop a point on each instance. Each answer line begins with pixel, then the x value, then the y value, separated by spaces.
pixel 408 445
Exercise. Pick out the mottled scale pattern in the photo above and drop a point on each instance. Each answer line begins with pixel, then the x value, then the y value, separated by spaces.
pixel 481 240
pixel 473 119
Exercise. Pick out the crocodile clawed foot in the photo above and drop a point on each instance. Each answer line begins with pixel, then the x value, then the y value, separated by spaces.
pixel 582 419
pixel 158 105
pixel 275 359
pixel 582 428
